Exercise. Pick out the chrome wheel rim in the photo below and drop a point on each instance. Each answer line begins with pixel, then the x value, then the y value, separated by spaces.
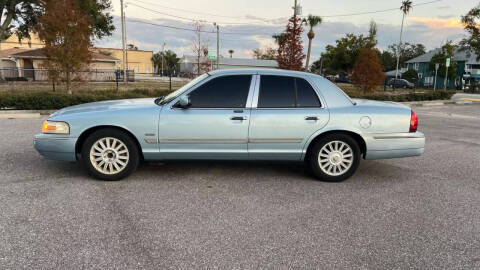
pixel 335 158
pixel 109 155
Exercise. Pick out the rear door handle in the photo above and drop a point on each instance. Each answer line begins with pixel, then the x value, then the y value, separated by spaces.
pixel 311 118
pixel 238 118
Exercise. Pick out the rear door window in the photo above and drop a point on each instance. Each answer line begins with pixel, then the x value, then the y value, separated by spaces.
pixel 286 92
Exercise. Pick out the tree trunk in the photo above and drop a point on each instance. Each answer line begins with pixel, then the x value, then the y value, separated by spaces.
pixel 308 54
pixel 69 90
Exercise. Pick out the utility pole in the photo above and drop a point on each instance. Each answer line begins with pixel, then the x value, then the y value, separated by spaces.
pixel 218 45
pixel 437 65
pixel 447 64
pixel 163 57
pixel 295 13
pixel 124 43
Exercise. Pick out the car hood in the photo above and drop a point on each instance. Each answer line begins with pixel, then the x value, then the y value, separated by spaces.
pixel 376 103
pixel 122 104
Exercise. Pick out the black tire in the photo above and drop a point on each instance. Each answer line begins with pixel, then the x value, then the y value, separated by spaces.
pixel 129 143
pixel 404 87
pixel 319 173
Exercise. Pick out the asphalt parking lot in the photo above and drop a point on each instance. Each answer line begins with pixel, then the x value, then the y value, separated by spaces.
pixel 419 213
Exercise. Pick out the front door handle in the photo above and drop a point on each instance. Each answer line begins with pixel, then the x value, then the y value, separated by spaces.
pixel 238 118
pixel 311 118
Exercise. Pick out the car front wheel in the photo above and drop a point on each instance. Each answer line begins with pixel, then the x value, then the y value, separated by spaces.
pixel 110 154
pixel 335 158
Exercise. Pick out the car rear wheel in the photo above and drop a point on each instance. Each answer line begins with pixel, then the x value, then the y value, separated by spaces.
pixel 335 158
pixel 110 154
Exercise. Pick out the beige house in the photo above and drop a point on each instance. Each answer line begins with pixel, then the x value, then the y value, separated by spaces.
pixel 28 63
pixel 12 42
pixel 139 61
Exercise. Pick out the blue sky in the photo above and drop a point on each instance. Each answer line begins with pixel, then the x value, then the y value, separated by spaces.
pixel 252 22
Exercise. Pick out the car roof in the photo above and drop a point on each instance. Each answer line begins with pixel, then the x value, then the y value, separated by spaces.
pixel 268 71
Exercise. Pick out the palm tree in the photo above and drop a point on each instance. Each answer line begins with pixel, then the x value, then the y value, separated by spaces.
pixel 231 53
pixel 279 38
pixel 311 21
pixel 157 61
pixel 405 8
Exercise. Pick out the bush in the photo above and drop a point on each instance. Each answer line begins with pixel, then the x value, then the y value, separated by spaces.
pixel 437 95
pixel 16 79
pixel 37 100
pixel 410 75
pixel 56 100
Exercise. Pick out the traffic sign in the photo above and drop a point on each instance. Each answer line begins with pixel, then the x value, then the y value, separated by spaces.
pixel 212 53
pixel 437 65
pixel 448 62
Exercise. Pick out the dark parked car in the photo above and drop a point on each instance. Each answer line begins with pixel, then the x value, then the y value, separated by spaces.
pixel 400 83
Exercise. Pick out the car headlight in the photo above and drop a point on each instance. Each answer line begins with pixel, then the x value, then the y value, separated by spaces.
pixel 51 127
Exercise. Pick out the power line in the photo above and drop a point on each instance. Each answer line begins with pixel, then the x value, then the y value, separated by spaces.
pixel 180 17
pixel 203 13
pixel 193 30
pixel 202 31
pixel 376 11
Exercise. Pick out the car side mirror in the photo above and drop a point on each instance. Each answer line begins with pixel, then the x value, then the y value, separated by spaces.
pixel 184 102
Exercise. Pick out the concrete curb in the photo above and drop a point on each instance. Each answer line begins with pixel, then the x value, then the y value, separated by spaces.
pixel 19 115
pixel 40 112
pixel 438 103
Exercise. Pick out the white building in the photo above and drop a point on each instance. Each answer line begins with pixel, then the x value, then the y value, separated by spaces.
pixel 188 63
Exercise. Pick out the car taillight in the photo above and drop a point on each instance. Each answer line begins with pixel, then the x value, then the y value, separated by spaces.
pixel 413 122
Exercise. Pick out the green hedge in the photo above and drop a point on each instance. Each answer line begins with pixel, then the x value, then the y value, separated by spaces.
pixel 437 95
pixel 36 100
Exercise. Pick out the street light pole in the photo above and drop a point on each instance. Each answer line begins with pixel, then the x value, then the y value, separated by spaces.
pixel 123 43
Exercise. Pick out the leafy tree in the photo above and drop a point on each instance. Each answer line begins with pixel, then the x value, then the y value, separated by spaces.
pixel 471 21
pixel 410 75
pixel 317 66
pixel 132 47
pixel 342 57
pixel 447 51
pixel 311 21
pixel 367 73
pixel 388 60
pixel 169 58
pixel 290 49
pixel 407 51
pixel 20 17
pixel 265 54
pixel 67 33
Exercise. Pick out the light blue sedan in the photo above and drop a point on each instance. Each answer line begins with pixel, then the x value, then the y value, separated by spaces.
pixel 244 114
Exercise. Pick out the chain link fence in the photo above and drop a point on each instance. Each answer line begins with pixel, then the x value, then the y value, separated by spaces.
pixel 41 75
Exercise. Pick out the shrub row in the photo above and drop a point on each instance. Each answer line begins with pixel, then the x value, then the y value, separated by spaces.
pixel 37 100
pixel 437 95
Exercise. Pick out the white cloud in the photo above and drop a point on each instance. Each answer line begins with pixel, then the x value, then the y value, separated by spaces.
pixel 249 37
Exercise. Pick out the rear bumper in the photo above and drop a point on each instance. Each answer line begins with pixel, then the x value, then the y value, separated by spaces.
pixel 394 145
pixel 55 147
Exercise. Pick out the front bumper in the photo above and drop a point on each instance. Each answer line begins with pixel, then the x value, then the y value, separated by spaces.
pixel 56 147
pixel 394 145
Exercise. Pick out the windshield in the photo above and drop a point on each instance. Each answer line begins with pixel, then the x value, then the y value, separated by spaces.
pixel 182 89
